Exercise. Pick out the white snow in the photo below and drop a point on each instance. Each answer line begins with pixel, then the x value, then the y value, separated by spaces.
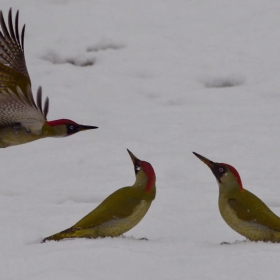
pixel 162 78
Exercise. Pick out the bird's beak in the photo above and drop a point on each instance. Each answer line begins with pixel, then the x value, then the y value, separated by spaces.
pixel 208 162
pixel 133 157
pixel 136 162
pixel 86 127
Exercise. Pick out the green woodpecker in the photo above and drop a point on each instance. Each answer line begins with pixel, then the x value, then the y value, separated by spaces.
pixel 243 211
pixel 21 119
pixel 120 211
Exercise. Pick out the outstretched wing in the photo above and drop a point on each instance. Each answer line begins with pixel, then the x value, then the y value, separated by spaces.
pixel 17 105
pixel 18 109
pixel 13 71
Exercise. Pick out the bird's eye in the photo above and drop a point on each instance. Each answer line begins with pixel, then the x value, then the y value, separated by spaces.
pixel 71 127
pixel 221 169
pixel 137 167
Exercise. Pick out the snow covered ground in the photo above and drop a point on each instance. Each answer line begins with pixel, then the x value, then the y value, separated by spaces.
pixel 162 78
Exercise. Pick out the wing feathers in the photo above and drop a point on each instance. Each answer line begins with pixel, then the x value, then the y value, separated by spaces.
pixel 4 27
pixel 39 103
pixel 11 28
pixel 46 108
pixel 39 98
pixel 258 213
pixel 17 103
pixel 12 51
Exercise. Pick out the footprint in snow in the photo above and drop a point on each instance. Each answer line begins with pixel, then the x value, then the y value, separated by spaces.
pixel 81 60
pixel 105 45
pixel 223 82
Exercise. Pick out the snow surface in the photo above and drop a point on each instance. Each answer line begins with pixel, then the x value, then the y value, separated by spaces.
pixel 162 78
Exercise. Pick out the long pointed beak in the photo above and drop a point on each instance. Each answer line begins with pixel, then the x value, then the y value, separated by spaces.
pixel 87 127
pixel 208 162
pixel 133 157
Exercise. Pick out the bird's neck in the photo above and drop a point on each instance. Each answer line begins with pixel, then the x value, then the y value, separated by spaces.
pixel 54 130
pixel 145 185
pixel 229 189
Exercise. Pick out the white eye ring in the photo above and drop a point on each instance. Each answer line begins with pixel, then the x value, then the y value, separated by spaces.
pixel 221 169
pixel 71 127
pixel 137 168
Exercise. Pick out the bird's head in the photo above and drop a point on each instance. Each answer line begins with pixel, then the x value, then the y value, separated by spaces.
pixel 64 127
pixel 226 175
pixel 144 172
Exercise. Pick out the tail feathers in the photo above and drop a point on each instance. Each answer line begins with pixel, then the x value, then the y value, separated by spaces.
pixel 68 233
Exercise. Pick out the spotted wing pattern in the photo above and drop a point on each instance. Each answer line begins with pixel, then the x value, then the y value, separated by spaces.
pixel 17 105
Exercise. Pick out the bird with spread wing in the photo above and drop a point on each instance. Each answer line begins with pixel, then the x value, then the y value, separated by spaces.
pixel 23 120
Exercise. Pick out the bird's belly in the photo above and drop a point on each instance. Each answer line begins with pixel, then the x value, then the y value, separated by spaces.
pixel 251 230
pixel 117 226
pixel 15 136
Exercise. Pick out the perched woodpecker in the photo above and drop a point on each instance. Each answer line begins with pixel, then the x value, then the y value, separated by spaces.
pixel 243 211
pixel 21 119
pixel 120 211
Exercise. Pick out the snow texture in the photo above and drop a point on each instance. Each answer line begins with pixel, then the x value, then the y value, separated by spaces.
pixel 162 78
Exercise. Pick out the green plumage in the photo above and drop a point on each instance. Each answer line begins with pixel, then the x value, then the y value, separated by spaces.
pixel 23 120
pixel 119 212
pixel 11 136
pixel 248 215
pixel 250 208
pixel 243 211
